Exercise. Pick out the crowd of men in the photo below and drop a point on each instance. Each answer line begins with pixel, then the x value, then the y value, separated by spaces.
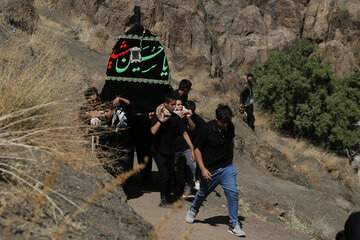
pixel 186 149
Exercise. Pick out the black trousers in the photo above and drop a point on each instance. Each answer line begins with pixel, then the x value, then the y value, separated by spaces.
pixel 115 152
pixel 165 165
pixel 250 116
pixel 142 141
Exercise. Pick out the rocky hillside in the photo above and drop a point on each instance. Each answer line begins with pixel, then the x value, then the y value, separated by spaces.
pixel 227 38
pixel 221 39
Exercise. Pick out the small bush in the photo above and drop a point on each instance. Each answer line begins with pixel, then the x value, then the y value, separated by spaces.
pixel 307 101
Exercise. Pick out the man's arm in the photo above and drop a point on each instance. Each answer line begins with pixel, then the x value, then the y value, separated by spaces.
pixel 243 87
pixel 204 172
pixel 118 99
pixel 155 127
pixel 189 142
pixel 191 124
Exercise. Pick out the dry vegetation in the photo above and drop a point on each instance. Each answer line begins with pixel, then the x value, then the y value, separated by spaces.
pixel 95 37
pixel 39 86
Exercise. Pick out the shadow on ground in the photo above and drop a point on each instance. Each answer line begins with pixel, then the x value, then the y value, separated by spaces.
pixel 216 220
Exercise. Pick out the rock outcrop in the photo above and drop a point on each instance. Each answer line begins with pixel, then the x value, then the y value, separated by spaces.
pixel 233 36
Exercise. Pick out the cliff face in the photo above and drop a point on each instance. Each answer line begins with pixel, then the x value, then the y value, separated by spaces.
pixel 225 38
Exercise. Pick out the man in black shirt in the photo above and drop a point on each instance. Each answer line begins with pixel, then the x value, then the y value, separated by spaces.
pixel 183 91
pixel 166 126
pixel 246 99
pixel 114 141
pixel 214 146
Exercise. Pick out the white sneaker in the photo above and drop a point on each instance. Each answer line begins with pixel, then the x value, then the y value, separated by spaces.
pixel 237 230
pixel 190 216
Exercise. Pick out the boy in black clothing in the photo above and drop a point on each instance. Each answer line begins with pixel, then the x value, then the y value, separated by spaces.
pixel 183 91
pixel 198 121
pixel 90 109
pixel 166 126
pixel 246 99
pixel 114 141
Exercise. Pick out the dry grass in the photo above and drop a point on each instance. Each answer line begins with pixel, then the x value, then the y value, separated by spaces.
pixel 38 87
pixel 319 228
pixel 288 153
pixel 95 37
pixel 263 121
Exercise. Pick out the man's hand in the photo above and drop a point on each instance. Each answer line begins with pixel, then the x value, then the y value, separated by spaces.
pixel 181 114
pixel 116 101
pixel 242 109
pixel 189 113
pixel 93 114
pixel 206 174
pixel 193 159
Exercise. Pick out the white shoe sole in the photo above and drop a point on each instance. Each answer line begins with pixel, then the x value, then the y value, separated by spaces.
pixel 240 235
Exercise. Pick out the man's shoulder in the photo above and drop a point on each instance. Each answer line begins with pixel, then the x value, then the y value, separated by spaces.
pixel 176 93
pixel 207 125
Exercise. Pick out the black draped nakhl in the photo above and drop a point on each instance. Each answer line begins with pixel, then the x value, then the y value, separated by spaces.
pixel 144 83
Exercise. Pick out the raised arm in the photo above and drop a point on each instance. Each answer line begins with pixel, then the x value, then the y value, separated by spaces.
pixel 155 127
pixel 191 125
pixel 117 100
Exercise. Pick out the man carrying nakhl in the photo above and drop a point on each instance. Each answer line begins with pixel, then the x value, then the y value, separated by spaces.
pixel 214 151
pixel 166 126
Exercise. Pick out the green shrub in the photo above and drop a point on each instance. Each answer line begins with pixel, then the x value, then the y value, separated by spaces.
pixel 306 100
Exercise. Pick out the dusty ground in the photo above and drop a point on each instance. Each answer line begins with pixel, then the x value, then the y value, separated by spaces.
pixel 212 219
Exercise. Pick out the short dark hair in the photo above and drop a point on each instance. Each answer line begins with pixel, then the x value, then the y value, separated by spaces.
pixel 169 97
pixel 185 84
pixel 223 112
pixel 190 105
pixel 90 91
pixel 250 75
pixel 108 105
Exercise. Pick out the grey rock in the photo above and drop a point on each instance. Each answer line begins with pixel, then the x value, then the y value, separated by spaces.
pixel 356 162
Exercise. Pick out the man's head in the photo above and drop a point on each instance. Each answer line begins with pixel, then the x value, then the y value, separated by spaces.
pixel 223 116
pixel 249 77
pixel 190 105
pixel 179 105
pixel 170 102
pixel 185 86
pixel 91 95
pixel 109 109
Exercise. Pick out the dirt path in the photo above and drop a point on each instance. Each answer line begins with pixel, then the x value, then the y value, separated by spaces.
pixel 212 220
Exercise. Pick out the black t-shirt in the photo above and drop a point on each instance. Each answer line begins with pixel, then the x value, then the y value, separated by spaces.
pixel 179 142
pixel 183 98
pixel 164 139
pixel 199 122
pixel 214 145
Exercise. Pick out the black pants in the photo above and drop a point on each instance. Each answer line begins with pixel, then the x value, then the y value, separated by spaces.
pixel 250 116
pixel 165 164
pixel 142 140
pixel 115 152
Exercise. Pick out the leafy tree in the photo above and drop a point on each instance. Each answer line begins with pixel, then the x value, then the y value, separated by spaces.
pixel 306 100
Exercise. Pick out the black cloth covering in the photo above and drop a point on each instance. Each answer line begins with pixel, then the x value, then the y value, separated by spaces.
pixel 144 83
